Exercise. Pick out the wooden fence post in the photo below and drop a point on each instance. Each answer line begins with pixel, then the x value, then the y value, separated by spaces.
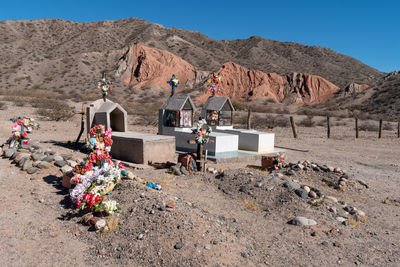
pixel 398 129
pixel 380 128
pixel 293 127
pixel 328 126
pixel 249 118
pixel 356 127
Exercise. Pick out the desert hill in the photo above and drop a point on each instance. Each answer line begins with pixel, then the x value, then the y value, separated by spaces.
pixel 27 45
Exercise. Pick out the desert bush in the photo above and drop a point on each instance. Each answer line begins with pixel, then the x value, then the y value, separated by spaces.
pixel 307 122
pixel 147 112
pixel 368 126
pixel 269 121
pixel 3 106
pixel 388 126
pixel 282 111
pixel 239 106
pixel 54 110
pixel 263 109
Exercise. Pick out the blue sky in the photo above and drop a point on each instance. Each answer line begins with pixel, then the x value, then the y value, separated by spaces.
pixel 368 30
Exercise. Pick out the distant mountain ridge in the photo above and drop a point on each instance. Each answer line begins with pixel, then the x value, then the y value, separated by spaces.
pixel 61 55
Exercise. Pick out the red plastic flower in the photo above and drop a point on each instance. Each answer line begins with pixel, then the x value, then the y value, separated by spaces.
pixel 19 122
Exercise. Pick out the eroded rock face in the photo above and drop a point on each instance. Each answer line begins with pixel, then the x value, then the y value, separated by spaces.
pixel 143 66
pixel 355 88
pixel 242 84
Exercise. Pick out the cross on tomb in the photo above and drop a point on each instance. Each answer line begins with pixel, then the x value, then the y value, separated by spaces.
pixel 201 145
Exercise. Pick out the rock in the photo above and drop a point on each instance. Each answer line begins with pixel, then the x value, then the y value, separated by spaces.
pixel 43 165
pixel 330 169
pixel 340 219
pixel 58 158
pixel 129 176
pixel 290 172
pixel 184 171
pixel 314 234
pixel 179 245
pixel 244 188
pixel 100 224
pixel 93 220
pixel 27 165
pixel 312 194
pixel 337 170
pixel 349 209
pixel 307 188
pixel 9 152
pixel 245 255
pixel 49 152
pixel 16 153
pixel 175 170
pixel 258 184
pixel 292 185
pixel 342 183
pixel 316 168
pixel 300 166
pixel 361 182
pixel 20 156
pixel 162 208
pixel 345 175
pixel 32 170
pixel 72 163
pixel 86 218
pixel 66 157
pixel 333 210
pixel 171 205
pixel 269 188
pixel 48 158
pixel 331 199
pixel 38 156
pixel 140 236
pixel 301 193
pixel 66 169
pixel 325 243
pixel 22 161
pixel 207 247
pixel 60 163
pixel 302 221
pixel 361 213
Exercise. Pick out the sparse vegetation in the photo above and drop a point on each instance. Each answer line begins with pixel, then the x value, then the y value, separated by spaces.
pixel 307 122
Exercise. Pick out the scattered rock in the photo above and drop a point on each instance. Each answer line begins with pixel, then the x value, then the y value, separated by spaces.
pixel 361 182
pixel 290 172
pixel 16 153
pixel 38 156
pixel 345 176
pixel 330 169
pixel 129 176
pixel 86 218
pixel 43 165
pixel 325 243
pixel 337 170
pixel 184 170
pixel 179 245
pixel 331 199
pixel 32 170
pixel 340 219
pixel 93 220
pixel 27 165
pixel 49 152
pixel 100 224
pixel 72 163
pixel 48 158
pixel 207 247
pixel 22 161
pixel 66 156
pixel 141 236
pixel 244 188
pixel 314 234
pixel 245 255
pixel 333 210
pixel 307 188
pixel 302 221
pixel 312 194
pixel 175 170
pixel 66 169
pixel 292 185
pixel 337 244
pixel 258 184
pixel 171 205
pixel 60 163
pixel 9 152
pixel 301 193
pixel 20 156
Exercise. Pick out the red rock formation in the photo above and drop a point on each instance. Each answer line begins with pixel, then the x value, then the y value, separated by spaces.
pixel 355 88
pixel 237 82
pixel 144 66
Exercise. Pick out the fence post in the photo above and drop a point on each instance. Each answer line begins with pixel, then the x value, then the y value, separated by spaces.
pixel 380 128
pixel 293 127
pixel 356 127
pixel 249 118
pixel 398 129
pixel 329 126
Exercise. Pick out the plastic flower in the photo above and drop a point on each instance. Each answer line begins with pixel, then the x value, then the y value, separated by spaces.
pixel 110 206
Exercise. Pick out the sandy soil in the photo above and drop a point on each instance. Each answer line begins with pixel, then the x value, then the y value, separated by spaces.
pixel 218 224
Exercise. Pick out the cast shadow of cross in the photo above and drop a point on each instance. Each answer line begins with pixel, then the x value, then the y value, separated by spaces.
pixel 66 202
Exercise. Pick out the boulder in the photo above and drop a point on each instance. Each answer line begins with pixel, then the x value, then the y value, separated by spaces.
pixel 302 221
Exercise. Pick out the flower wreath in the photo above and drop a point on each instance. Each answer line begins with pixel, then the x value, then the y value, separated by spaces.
pixel 104 86
pixel 202 132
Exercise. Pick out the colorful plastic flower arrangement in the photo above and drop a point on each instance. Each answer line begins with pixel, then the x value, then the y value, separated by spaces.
pixel 215 83
pixel 104 86
pixel 173 82
pixel 20 129
pixel 202 132
pixel 280 160
pixel 97 176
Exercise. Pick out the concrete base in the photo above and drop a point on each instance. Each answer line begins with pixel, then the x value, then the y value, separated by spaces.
pixel 223 142
pixel 142 147
pixel 242 156
pixel 251 140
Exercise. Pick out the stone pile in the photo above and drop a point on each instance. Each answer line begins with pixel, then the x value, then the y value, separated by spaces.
pixel 33 159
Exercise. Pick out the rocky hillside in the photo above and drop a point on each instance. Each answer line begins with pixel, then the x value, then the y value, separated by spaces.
pixel 67 56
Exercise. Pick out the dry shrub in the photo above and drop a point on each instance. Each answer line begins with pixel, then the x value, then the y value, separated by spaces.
pixel 250 204
pixel 54 110
pixel 147 112
pixel 239 106
pixel 3 106
pixel 307 122
pixel 269 121
pixel 367 126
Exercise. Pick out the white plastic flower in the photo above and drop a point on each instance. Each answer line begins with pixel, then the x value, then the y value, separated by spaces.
pixel 110 206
